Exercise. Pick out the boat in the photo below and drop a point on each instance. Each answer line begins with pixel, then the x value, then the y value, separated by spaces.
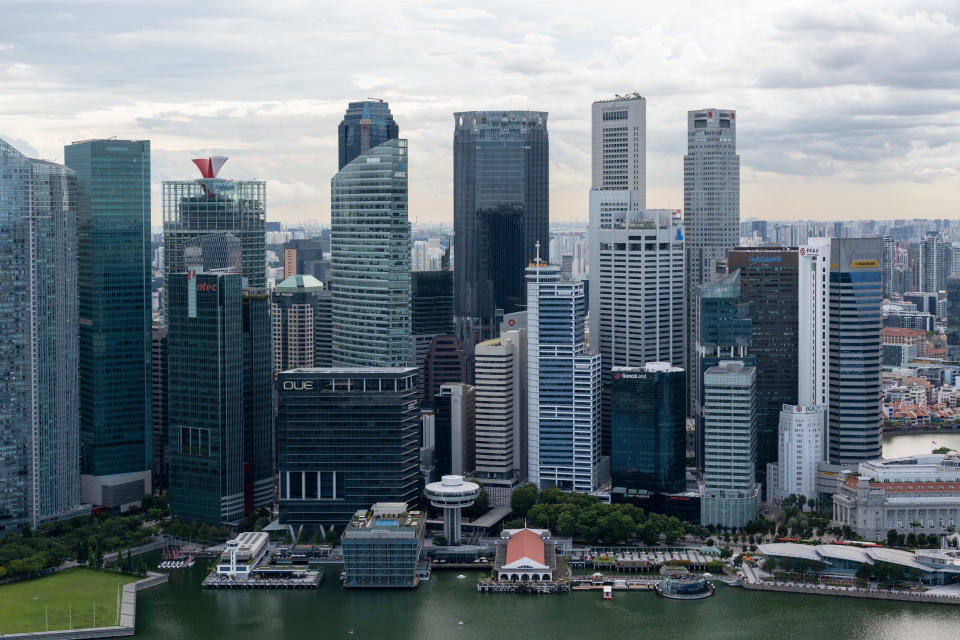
pixel 607 592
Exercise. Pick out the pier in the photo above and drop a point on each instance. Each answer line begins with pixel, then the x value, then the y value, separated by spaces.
pixel 310 580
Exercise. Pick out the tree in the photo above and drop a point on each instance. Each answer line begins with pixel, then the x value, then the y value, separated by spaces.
pixel 331 538
pixel 440 541
pixel 523 499
pixel 892 538
pixel 770 565
pixel 863 571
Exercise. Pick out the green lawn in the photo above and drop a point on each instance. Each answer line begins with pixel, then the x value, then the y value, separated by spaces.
pixel 23 604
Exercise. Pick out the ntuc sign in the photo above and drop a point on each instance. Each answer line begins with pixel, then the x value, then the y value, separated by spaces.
pixel 207 286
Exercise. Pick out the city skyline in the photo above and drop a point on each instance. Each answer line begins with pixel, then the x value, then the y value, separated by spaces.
pixel 826 134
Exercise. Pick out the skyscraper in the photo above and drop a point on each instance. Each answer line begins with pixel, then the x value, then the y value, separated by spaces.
pixel 889 249
pixel 953 319
pixel 636 288
pixel 840 318
pixel 161 421
pixel 769 284
pixel 300 310
pixel 113 275
pixel 365 125
pixel 936 259
pixel 454 430
pixel 346 438
pixel 444 362
pixel 431 314
pixel 711 203
pixel 500 212
pixel 500 375
pixel 619 141
pixel 800 450
pixel 563 403
pixel 648 426
pixel 221 454
pixel 370 259
pixel 39 404
pixel 730 492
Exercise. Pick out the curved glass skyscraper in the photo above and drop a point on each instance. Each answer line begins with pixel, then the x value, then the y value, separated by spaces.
pixel 365 125
pixel 500 211
pixel 370 259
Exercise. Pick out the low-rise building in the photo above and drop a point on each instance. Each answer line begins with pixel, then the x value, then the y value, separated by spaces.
pixel 525 555
pixel 381 547
pixel 920 494
pixel 243 554
pixel 934 567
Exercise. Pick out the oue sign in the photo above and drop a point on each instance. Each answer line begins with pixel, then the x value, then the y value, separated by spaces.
pixel 298 385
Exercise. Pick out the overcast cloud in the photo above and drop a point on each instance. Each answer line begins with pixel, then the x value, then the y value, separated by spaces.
pixel 844 109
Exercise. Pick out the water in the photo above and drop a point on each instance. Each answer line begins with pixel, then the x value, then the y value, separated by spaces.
pixel 181 610
pixel 899 445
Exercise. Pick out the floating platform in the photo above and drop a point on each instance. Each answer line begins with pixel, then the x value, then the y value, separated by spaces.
pixel 312 581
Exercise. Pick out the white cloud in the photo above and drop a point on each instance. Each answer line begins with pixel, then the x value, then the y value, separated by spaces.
pixel 835 101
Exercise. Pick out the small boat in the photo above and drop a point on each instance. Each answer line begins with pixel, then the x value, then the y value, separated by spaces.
pixel 607 592
pixel 460 623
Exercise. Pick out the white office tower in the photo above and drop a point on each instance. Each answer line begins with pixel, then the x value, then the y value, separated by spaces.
pixel 501 421
pixel 636 288
pixel 563 420
pixel 619 136
pixel 730 492
pixel 814 323
pixel 800 449
pixel 711 207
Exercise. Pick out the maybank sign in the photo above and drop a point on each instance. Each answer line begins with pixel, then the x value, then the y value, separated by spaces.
pixel 761 259
pixel 863 264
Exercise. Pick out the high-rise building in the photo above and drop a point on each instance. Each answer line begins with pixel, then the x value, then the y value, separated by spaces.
pixel 365 125
pixel 726 332
pixel 769 284
pixel 841 318
pixel 215 208
pixel 649 416
pixel 114 340
pixel 800 450
pixel 500 375
pixel 370 259
pixel 500 212
pixel 889 247
pixel 936 260
pixel 619 147
pixel 637 299
pixel 305 257
pixel 431 305
pixel 346 438
pixel 161 418
pixel 300 310
pixel 444 362
pixel 39 404
pixel 563 402
pixel 953 319
pixel 221 454
pixel 730 492
pixel 454 429
pixel 711 205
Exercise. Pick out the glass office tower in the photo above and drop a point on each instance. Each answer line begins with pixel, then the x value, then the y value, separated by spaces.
pixel 113 258
pixel 346 438
pixel 500 211
pixel 648 428
pixel 215 228
pixel 365 125
pixel 370 255
pixel 39 426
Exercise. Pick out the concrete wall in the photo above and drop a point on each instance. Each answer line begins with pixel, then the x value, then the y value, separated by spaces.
pixel 128 616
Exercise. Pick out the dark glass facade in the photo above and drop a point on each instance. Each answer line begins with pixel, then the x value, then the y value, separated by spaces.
pixel 855 396
pixel 161 421
pixel 444 362
pixel 206 404
pixel 432 303
pixel 648 429
pixel 346 438
pixel 769 284
pixel 500 212
pixel 113 276
pixel 953 319
pixel 365 125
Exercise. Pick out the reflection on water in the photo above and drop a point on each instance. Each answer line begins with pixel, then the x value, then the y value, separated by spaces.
pixel 181 610
pixel 897 446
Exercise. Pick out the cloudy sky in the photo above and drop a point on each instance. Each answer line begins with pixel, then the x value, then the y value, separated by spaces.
pixel 844 109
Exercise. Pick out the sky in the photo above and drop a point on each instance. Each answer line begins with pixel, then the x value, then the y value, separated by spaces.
pixel 845 110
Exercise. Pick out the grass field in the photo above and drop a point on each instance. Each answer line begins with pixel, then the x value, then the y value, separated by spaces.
pixel 23 604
